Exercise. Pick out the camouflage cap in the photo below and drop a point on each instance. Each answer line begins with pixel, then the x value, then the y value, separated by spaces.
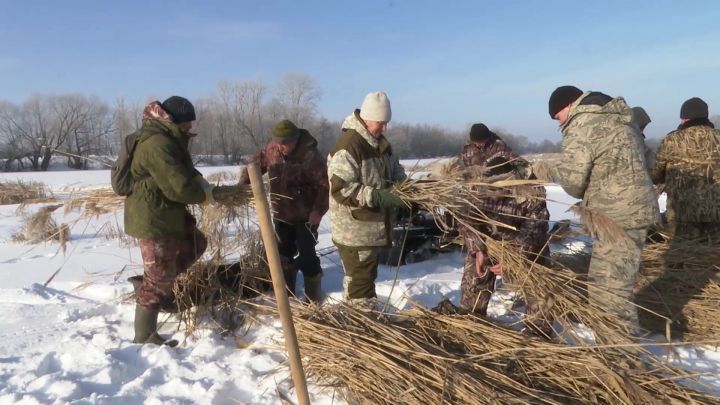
pixel 285 132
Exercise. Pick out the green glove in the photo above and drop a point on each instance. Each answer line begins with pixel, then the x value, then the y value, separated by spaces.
pixel 384 198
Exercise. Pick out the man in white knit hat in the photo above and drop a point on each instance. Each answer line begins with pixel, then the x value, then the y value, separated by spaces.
pixel 362 169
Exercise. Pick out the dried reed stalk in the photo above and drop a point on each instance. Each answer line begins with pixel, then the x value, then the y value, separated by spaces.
pixel 422 357
pixel 22 192
pixel 680 279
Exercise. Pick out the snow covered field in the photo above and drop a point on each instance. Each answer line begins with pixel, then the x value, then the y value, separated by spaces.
pixel 71 342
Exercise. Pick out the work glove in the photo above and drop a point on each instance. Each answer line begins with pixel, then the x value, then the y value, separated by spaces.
pixel 231 195
pixel 385 198
pixel 207 189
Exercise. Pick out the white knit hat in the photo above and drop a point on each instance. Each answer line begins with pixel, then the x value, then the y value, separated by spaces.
pixel 376 107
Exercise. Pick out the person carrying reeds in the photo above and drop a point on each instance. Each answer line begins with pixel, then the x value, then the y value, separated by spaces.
pixel 362 169
pixel 522 209
pixel 687 163
pixel 299 185
pixel 603 164
pixel 165 182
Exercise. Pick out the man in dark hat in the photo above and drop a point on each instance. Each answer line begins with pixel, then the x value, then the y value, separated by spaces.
pixel 686 163
pixel 298 179
pixel 602 165
pixel 483 144
pixel 165 182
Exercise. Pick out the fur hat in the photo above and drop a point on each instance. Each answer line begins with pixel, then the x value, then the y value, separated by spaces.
pixel 285 131
pixel 376 107
pixel 479 132
pixel 694 108
pixel 562 97
pixel 180 108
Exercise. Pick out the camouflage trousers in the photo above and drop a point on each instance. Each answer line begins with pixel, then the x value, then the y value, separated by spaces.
pixel 475 291
pixel 613 268
pixel 361 270
pixel 164 260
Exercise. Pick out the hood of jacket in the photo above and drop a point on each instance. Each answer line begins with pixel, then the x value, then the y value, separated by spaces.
pixel 593 104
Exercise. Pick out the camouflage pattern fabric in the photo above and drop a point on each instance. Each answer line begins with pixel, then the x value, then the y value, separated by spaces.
pixel 687 163
pixel 357 165
pixel 476 154
pixel 475 291
pixel 298 182
pixel 603 164
pixel 361 266
pixel 164 260
pixel 613 268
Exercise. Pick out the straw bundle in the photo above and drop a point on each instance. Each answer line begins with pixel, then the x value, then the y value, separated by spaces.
pixel 556 288
pixel 422 357
pixel 41 227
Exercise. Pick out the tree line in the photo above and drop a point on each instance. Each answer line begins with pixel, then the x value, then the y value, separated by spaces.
pixel 233 121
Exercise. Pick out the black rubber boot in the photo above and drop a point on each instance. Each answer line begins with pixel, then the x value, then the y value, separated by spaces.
pixel 313 288
pixel 290 273
pixel 146 328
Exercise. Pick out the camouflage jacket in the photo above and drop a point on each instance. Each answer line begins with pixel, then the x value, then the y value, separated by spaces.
pixel 358 164
pixel 477 153
pixel 520 207
pixel 156 209
pixel 687 162
pixel 603 164
pixel 298 182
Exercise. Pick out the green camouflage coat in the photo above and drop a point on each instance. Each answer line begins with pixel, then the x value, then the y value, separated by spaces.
pixel 687 163
pixel 156 209
pixel 603 164
pixel 357 165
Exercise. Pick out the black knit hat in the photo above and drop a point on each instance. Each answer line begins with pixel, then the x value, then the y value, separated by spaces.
pixel 694 108
pixel 180 108
pixel 562 97
pixel 479 132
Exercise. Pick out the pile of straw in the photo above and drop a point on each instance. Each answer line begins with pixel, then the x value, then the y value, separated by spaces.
pixel 420 357
pixel 21 192
pixel 680 280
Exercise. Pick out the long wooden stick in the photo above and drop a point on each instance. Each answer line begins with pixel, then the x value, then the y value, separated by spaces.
pixel 278 281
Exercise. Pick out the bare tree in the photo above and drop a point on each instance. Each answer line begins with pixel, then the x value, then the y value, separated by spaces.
pixel 296 98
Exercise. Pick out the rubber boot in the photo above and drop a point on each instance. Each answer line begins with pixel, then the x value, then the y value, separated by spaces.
pixel 290 273
pixel 146 328
pixel 313 288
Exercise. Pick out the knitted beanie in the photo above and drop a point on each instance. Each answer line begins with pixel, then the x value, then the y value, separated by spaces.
pixel 562 97
pixel 180 108
pixel 694 108
pixel 376 107
pixel 479 132
pixel 285 131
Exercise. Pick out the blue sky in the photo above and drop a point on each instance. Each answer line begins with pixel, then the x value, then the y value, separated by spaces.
pixel 441 62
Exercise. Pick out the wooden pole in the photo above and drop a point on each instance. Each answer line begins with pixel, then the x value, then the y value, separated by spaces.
pixel 278 281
